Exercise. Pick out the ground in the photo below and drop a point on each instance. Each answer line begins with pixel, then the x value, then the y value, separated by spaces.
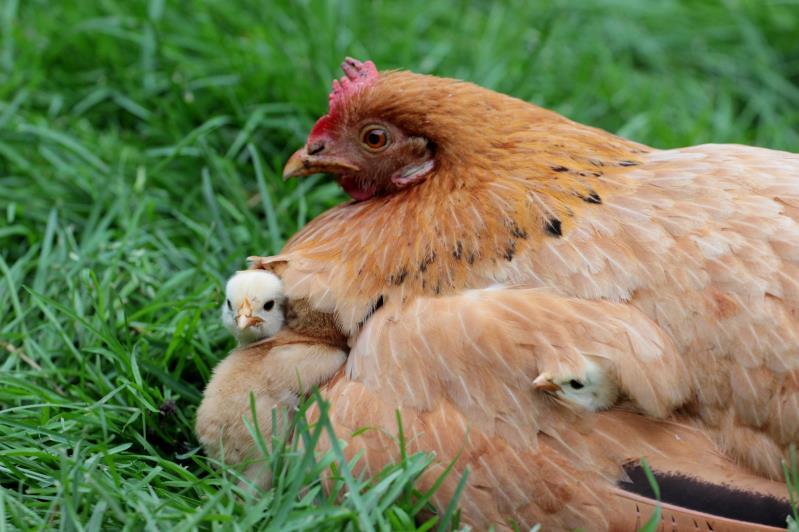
pixel 140 151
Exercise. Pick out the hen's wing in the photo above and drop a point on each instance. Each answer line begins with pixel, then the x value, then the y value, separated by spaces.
pixel 460 368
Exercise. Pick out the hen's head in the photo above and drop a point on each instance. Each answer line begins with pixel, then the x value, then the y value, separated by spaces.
pixel 358 142
pixel 388 131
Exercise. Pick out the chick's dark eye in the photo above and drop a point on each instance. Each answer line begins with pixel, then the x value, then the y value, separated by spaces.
pixel 574 383
pixel 229 306
pixel 269 305
pixel 375 138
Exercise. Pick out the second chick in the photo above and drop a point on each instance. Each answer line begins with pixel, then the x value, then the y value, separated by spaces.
pixel 626 358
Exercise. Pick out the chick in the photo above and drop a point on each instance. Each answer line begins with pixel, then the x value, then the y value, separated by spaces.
pixel 591 388
pixel 273 363
pixel 653 385
pixel 253 308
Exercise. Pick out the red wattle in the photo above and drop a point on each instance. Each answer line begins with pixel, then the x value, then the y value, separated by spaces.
pixel 355 190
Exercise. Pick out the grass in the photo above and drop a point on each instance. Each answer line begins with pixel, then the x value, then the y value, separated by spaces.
pixel 140 148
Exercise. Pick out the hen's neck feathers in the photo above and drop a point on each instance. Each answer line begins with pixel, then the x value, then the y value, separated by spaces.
pixel 489 143
pixel 507 175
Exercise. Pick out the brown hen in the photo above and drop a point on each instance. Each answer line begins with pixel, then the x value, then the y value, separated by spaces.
pixel 456 186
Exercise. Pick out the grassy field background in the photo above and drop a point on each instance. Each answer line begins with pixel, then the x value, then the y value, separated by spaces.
pixel 140 151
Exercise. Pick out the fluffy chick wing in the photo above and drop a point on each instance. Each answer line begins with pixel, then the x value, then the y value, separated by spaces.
pixel 276 371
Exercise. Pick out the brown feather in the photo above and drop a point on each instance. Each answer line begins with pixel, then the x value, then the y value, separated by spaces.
pixel 461 384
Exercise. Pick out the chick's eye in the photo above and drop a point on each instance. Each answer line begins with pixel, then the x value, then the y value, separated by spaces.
pixel 375 138
pixel 574 383
pixel 229 306
pixel 269 305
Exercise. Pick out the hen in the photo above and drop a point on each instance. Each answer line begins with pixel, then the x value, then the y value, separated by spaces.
pixel 456 186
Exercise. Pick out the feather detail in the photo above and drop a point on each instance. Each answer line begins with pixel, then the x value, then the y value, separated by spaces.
pixel 462 383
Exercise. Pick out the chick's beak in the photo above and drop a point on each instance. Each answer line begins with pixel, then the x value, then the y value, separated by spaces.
pixel 244 317
pixel 313 160
pixel 544 383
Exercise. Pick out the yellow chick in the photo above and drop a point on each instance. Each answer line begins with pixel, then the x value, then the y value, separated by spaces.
pixel 274 363
pixel 618 354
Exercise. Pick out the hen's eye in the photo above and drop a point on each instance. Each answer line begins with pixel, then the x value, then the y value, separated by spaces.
pixel 229 306
pixel 375 138
pixel 574 383
pixel 269 305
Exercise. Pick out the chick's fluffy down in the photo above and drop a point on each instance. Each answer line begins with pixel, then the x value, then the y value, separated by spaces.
pixel 276 375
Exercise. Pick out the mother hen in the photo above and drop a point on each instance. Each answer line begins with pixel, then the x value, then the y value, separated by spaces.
pixel 456 186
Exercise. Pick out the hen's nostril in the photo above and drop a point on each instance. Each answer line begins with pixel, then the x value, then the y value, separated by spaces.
pixel 316 147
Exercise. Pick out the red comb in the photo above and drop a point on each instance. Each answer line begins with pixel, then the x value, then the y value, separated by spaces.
pixel 357 76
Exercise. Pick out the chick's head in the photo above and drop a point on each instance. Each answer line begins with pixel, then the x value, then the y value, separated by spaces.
pixel 253 307
pixel 589 387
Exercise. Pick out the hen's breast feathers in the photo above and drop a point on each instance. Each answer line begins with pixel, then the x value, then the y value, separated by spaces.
pixel 646 221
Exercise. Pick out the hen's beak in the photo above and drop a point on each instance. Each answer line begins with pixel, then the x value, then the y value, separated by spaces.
pixel 544 383
pixel 244 317
pixel 303 163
